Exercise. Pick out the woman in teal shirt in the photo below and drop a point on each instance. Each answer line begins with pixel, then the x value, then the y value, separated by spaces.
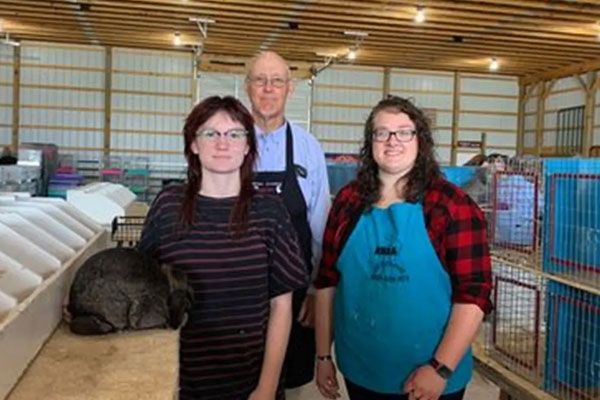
pixel 405 277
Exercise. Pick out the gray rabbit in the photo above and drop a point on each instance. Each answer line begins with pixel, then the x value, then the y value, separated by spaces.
pixel 122 289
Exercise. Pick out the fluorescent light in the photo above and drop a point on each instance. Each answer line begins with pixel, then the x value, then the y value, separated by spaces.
pixel 494 65
pixel 420 15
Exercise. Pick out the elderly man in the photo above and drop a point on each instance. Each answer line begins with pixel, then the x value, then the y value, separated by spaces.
pixel 291 164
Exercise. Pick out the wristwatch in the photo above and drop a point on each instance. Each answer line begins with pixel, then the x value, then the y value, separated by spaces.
pixel 326 357
pixel 441 369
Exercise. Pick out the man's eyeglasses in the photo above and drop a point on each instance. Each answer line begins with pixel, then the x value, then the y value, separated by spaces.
pixel 236 135
pixel 261 81
pixel 402 135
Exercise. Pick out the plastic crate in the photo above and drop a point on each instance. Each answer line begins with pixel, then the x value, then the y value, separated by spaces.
pixel 573 343
pixel 572 226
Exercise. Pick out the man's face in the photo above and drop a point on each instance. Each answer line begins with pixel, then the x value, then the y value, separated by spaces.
pixel 268 85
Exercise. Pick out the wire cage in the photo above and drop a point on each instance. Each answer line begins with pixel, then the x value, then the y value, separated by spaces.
pixel 545 241
pixel 573 344
pixel 572 229
pixel 517 331
pixel 516 211
pixel 126 231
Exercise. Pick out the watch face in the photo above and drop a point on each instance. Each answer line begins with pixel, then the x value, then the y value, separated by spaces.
pixel 440 368
pixel 444 371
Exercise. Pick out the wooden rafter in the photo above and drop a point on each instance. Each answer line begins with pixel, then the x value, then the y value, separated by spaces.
pixel 533 39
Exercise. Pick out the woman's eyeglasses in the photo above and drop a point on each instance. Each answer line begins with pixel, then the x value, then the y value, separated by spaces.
pixel 232 135
pixel 402 135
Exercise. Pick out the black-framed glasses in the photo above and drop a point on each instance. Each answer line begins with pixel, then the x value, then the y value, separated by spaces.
pixel 261 81
pixel 212 135
pixel 402 135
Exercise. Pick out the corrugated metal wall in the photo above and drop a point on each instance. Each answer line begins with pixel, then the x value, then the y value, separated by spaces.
pixel 342 99
pixel 63 101
pixel 6 93
pixel 62 97
pixel 221 84
pixel 488 104
pixel 433 91
pixel 565 93
pixel 530 123
pixel 152 92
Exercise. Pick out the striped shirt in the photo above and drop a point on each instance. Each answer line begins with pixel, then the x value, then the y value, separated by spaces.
pixel 233 279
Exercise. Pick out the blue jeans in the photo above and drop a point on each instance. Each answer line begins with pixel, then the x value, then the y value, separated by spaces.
pixel 360 393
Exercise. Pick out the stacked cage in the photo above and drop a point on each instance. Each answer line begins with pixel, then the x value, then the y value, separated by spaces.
pixel 516 333
pixel 571 257
pixel 545 243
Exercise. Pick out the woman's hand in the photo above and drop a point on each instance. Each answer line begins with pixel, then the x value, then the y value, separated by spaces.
pixel 327 380
pixel 262 394
pixel 424 384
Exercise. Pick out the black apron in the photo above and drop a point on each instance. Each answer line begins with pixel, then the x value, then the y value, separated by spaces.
pixel 299 362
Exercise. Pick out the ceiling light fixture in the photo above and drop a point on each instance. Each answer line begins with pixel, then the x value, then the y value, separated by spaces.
pixel 177 39
pixel 494 64
pixel 351 54
pixel 420 15
pixel 359 37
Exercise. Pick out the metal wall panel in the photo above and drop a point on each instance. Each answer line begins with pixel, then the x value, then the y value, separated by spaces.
pixel 6 94
pixel 152 93
pixel 566 93
pixel 432 91
pixel 488 104
pixel 62 97
pixel 342 99
pixel 221 84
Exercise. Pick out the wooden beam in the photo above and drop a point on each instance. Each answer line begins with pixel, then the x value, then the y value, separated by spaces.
pixel 16 99
pixel 573 69
pixel 589 113
pixel 455 117
pixel 386 81
pixel 583 84
pixel 107 100
pixel 539 125
pixel 521 119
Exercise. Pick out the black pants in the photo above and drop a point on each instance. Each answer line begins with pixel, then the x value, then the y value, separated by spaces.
pixel 299 365
pixel 360 393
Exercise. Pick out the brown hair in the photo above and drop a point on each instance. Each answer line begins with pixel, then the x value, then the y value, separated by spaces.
pixel 425 169
pixel 202 112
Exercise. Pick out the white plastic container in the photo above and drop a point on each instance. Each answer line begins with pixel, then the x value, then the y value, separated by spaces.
pixel 27 253
pixel 37 235
pixel 49 224
pixel 8 263
pixel 24 328
pixel 55 212
pixel 102 201
pixel 18 283
pixel 67 208
pixel 7 303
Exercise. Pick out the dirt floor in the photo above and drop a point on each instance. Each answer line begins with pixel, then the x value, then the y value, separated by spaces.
pixel 130 366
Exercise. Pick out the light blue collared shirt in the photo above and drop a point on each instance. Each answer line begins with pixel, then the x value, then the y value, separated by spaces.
pixel 315 187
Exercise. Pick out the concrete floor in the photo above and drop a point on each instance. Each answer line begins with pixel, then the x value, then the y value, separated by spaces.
pixel 478 389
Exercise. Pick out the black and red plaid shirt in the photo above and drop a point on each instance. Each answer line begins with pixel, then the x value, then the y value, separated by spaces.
pixel 456 228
